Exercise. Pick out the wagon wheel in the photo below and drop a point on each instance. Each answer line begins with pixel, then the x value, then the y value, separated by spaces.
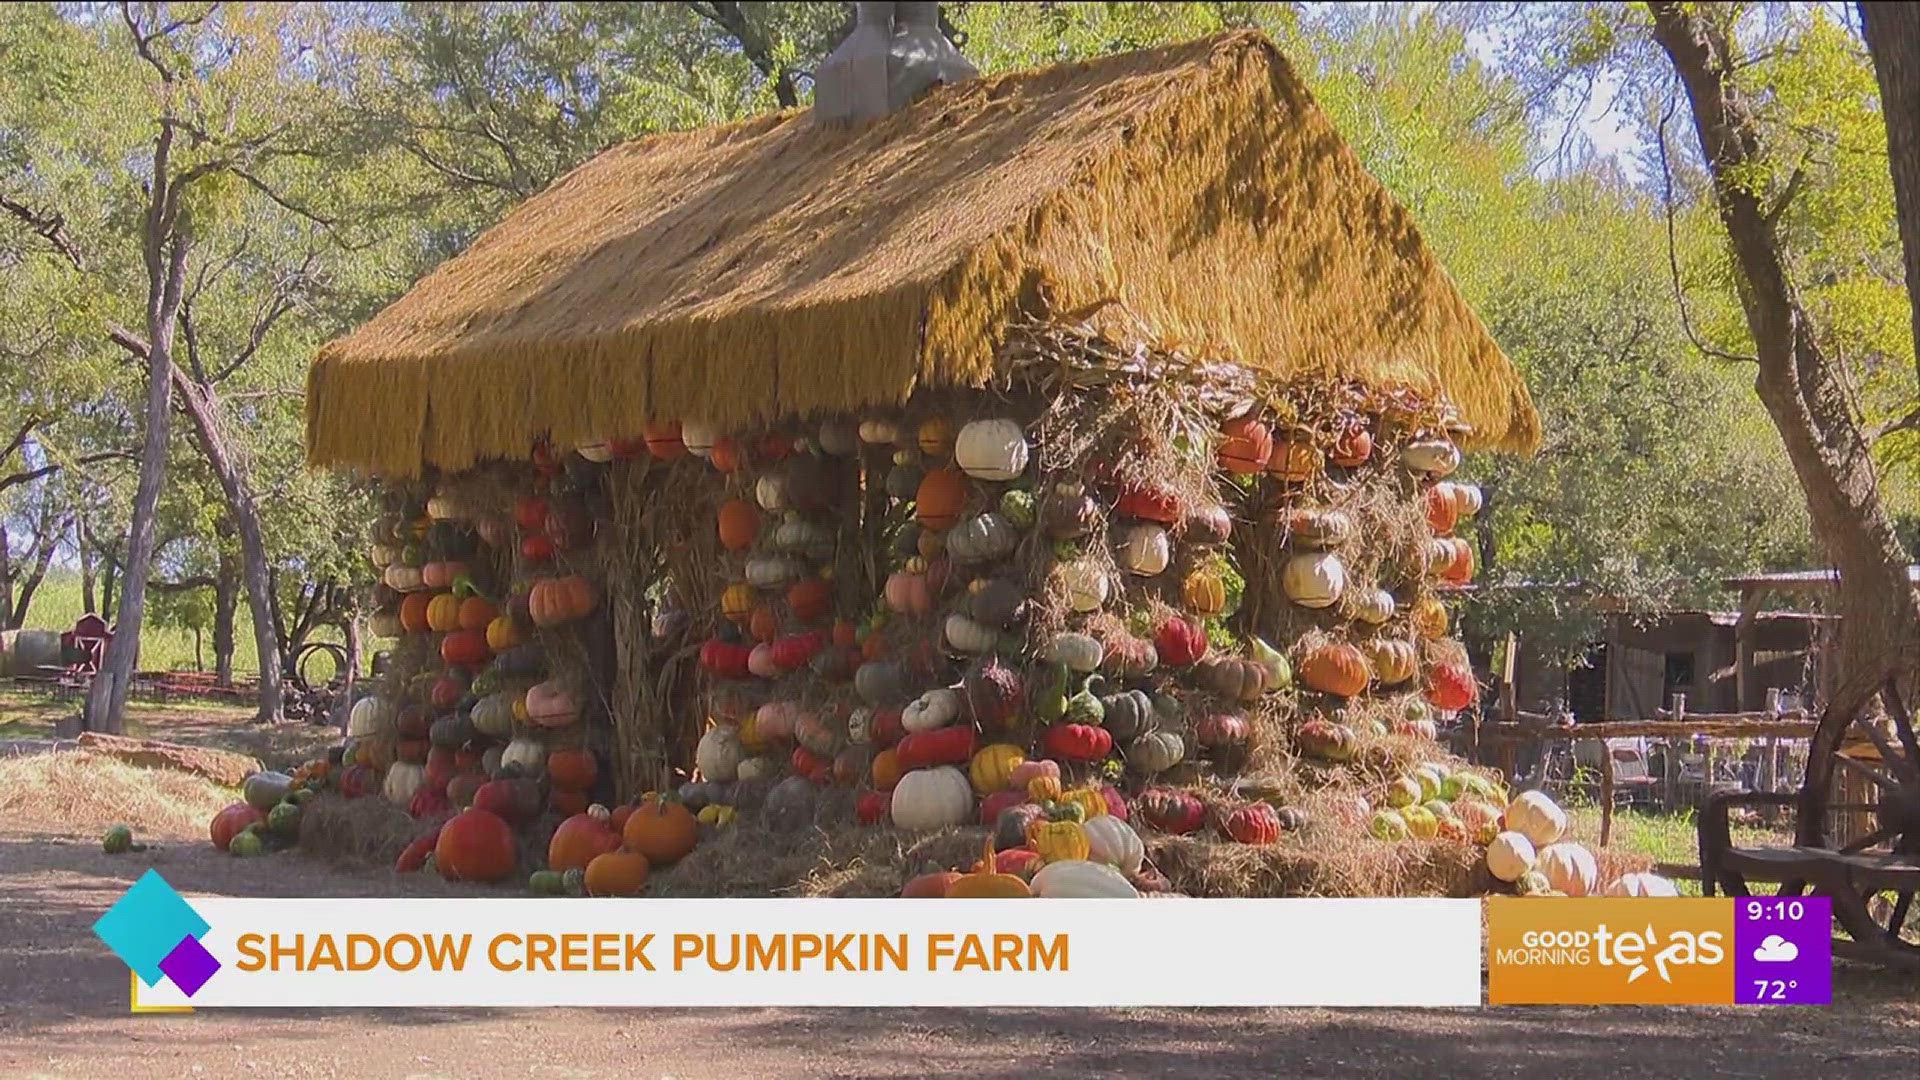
pixel 1881 818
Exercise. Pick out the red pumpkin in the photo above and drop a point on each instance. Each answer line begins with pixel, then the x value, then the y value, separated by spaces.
pixel 1245 446
pixel 662 831
pixel 941 496
pixel 817 768
pixel 728 455
pixel 414 855
pixel 414 723
pixel 530 513
pixel 476 845
pixel 476 612
pixel 567 803
pixel 1020 862
pixel 997 801
pixel 1149 504
pixel 429 801
pixel 951 745
pixel 871 807
pixel 1078 742
pixel 465 647
pixel 739 524
pixel 448 689
pixel 573 770
pixel 1254 823
pixel 809 599
pixel 356 781
pixel 725 659
pixel 440 768
pixel 1116 802
pixel 227 823
pixel 1222 731
pixel 516 802
pixel 774 447
pixel 1172 811
pixel 792 652
pixel 536 548
pixel 411 751
pixel 1451 686
pixel 1180 641
pixel 888 727
pixel 577 841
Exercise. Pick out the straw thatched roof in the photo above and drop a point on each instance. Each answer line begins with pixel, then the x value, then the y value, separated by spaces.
pixel 1192 193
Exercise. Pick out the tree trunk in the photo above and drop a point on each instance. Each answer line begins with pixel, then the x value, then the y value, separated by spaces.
pixel 1804 397
pixel 86 568
pixel 108 578
pixel 6 581
pixel 44 546
pixel 226 594
pixel 200 405
pixel 166 259
pixel 1893 37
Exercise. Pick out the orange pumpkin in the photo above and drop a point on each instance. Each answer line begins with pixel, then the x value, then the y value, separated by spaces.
pixel 662 831
pixel 663 439
pixel 1335 668
pixel 739 524
pixel 1295 460
pixel 764 623
pixel 563 801
pixel 617 819
pixel 1442 513
pixel 932 886
pixel 413 612
pixel 559 600
pixel 476 845
pixel 809 599
pixel 617 873
pixel 577 841
pixel 228 823
pixel 467 648
pixel 728 455
pixel 1245 445
pixel 573 770
pixel 845 634
pixel 476 612
pixel 886 770
pixel 941 497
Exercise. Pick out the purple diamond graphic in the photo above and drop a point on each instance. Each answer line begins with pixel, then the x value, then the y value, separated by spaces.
pixel 190 965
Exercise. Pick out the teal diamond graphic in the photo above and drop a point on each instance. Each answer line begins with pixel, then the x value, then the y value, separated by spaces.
pixel 146 924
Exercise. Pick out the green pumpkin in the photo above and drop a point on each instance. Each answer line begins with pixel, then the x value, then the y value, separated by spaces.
pixel 574 882
pixel 247 844
pixel 1085 708
pixel 547 883
pixel 413 555
pixel 1018 508
pixel 1049 691
pixel 263 789
pixel 1065 811
pixel 1127 714
pixel 284 820
pixel 300 796
pixel 117 840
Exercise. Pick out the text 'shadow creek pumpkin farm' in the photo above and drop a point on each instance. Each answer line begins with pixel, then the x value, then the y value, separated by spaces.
pixel 788 552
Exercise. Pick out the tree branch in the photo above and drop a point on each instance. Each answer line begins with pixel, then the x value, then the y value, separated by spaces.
pixel 1673 254
pixel 50 226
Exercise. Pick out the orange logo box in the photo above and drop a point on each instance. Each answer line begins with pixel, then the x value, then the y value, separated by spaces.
pixel 1609 951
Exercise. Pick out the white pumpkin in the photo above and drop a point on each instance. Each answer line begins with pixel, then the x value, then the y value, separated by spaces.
pixel 771 572
pixel 1569 868
pixel 879 432
pixel 442 508
pixel 760 662
pixel 1156 752
pixel 382 555
pixel 1082 879
pixel 529 754
pixel 968 636
pixel 1535 816
pixel 1640 884
pixel 763 767
pixel 1112 841
pixel 403 779
pixel 1431 457
pixel 370 716
pixel 860 725
pixel 719 753
pixel 991 450
pixel 932 799
pixel 933 709
pixel 698 437
pixel 1079 652
pixel 1373 606
pixel 1467 499
pixel 1510 856
pixel 1314 580
pixel 1086 585
pixel 598 451
pixel 1144 549
pixel 770 491
pixel 385 624
pixel 493 715
pixel 1439 555
pixel 402 578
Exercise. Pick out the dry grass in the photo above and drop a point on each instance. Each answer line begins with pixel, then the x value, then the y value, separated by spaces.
pixel 78 792
pixel 357 832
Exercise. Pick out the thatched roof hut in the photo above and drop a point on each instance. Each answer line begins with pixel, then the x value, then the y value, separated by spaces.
pixel 1192 196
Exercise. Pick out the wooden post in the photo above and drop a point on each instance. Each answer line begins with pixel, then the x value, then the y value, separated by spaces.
pixel 1770 766
pixel 1743 646
pixel 1670 798
pixel 1606 793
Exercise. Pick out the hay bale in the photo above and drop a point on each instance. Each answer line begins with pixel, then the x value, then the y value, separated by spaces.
pixel 76 791
pixel 223 767
pixel 367 831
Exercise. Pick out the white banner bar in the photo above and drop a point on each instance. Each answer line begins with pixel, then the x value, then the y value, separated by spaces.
pixel 547 952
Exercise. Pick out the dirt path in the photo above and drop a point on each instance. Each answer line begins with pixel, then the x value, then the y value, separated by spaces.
pixel 63 1012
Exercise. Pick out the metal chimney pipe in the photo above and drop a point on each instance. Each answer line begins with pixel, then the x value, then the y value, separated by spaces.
pixel 895 52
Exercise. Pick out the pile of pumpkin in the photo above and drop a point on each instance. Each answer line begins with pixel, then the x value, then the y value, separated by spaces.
pixel 1532 854
pixel 597 852
pixel 267 816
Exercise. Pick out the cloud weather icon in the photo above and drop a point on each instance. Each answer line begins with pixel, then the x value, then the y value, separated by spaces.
pixel 1776 949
